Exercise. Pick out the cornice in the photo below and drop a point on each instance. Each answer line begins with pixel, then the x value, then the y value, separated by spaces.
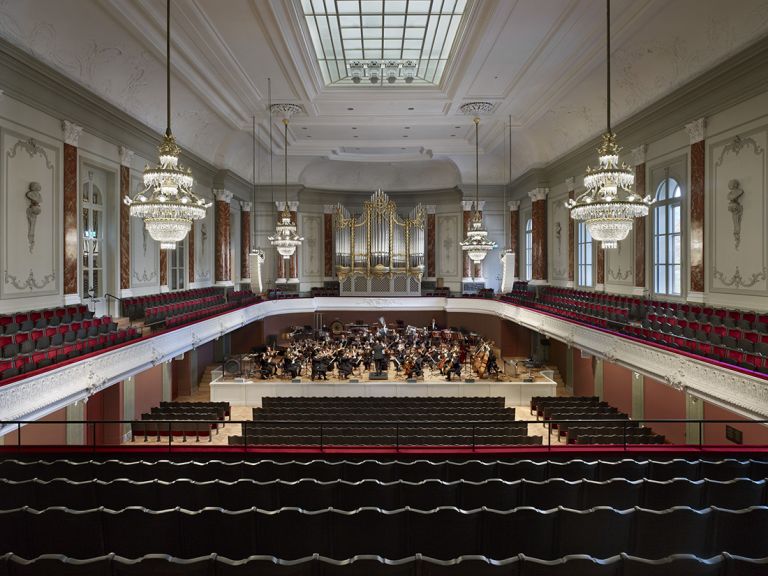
pixel 734 80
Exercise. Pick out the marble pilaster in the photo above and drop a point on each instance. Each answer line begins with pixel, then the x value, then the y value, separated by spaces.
pixel 539 233
pixel 514 233
pixel 639 154
pixel 696 219
pixel 430 236
pixel 126 158
pixel 71 133
pixel 328 210
pixel 222 240
pixel 245 241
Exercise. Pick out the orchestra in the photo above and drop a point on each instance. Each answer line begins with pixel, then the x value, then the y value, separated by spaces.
pixel 350 351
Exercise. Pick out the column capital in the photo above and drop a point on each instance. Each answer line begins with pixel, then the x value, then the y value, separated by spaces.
pixel 639 154
pixel 126 156
pixel 538 194
pixel 293 205
pixel 430 208
pixel 513 205
pixel 71 132
pixel 329 208
pixel 467 205
pixel 696 130
pixel 222 195
pixel 570 184
pixel 245 206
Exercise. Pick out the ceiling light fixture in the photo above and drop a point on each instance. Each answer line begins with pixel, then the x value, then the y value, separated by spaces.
pixel 167 204
pixel 286 240
pixel 476 244
pixel 609 206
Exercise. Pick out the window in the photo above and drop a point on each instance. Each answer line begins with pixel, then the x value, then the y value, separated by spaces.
pixel 370 42
pixel 584 254
pixel 178 267
pixel 667 240
pixel 92 225
pixel 529 249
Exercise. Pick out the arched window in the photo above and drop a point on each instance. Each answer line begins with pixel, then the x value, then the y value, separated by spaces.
pixel 584 254
pixel 92 225
pixel 667 238
pixel 529 249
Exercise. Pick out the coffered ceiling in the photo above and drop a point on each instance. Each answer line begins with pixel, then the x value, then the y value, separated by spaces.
pixel 541 63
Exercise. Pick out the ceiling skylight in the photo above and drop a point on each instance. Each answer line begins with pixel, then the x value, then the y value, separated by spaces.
pixel 383 42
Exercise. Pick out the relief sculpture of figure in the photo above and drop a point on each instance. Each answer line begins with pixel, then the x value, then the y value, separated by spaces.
pixel 558 235
pixel 735 194
pixel 33 211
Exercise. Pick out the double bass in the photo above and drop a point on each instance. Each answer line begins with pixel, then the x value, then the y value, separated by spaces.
pixel 480 361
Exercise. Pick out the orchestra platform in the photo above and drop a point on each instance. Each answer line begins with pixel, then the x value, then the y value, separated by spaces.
pixel 249 392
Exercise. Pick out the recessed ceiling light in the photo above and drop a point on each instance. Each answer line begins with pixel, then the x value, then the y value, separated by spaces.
pixel 350 108
pixel 407 127
pixel 355 136
pixel 453 135
pixel 403 148
pixel 405 135
pixel 354 127
pixel 303 127
pixel 309 136
pixel 411 108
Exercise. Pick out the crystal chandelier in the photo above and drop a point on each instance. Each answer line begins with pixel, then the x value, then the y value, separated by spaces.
pixel 476 244
pixel 286 240
pixel 609 206
pixel 167 204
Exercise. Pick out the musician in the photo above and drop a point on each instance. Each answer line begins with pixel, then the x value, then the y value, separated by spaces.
pixel 290 366
pixel 492 367
pixel 455 367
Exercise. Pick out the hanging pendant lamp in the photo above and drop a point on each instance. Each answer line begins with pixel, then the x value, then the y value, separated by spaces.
pixel 609 206
pixel 476 244
pixel 285 240
pixel 167 204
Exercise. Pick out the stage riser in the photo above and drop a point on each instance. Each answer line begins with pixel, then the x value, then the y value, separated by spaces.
pixel 250 393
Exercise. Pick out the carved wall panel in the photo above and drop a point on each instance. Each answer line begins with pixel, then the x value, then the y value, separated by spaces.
pixel 447 245
pixel 204 233
pixel 619 263
pixel 31 176
pixel 738 211
pixel 558 238
pixel 311 251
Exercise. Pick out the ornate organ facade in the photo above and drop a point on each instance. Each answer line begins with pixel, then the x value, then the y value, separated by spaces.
pixel 378 251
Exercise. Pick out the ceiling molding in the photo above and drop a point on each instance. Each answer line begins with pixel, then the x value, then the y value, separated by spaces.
pixel 734 80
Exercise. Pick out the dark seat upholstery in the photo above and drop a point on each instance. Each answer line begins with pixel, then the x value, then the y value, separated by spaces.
pixel 577 531
pixel 677 531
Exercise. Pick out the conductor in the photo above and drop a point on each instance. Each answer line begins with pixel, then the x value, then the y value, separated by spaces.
pixel 378 357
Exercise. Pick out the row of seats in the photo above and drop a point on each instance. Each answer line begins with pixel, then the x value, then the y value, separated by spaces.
pixel 383 401
pixel 729 318
pixel 135 307
pixel 442 533
pixel 9 323
pixel 277 294
pixel 310 494
pixel 223 409
pixel 539 403
pixel 26 342
pixel 387 470
pixel 16 362
pixel 365 565
pixel 163 312
pixel 394 439
pixel 187 317
pixel 318 292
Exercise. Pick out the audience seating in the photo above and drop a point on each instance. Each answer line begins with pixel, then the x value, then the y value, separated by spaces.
pixel 134 308
pixel 184 419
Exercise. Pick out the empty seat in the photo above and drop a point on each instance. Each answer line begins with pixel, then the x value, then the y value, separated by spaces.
pixel 577 531
pixel 681 530
pixel 674 565
pixel 669 493
pixel 735 532
pixel 580 564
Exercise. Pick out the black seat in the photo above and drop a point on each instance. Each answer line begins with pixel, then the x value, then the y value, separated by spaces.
pixel 134 532
pixel 62 492
pixel 678 531
pixel 724 469
pixel 58 531
pixel 522 469
pixel 674 565
pixel 568 565
pixel 735 532
pixel 472 470
pixel 573 470
pixel 577 531
pixel 367 493
pixel 119 494
pixel 291 534
pixel 627 469
pixel 59 564
pixel 230 534
pixel 369 532
pixel 494 493
pixel 679 492
pixel 734 494
pixel 617 493
pixel 551 494
pixel 428 494
pixel 162 564
pixel 740 566
pixel 677 468
pixel 306 494
pixel 522 531
pixel 443 533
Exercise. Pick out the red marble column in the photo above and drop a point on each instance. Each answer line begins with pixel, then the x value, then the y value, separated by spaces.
pixel 600 267
pixel 571 185
pixel 222 240
pixel 328 240
pixel 245 241
pixel 696 250
pixel 539 232
pixel 163 269
pixel 126 157
pixel 431 255
pixel 514 233
pixel 71 236
pixel 467 263
pixel 191 255
pixel 640 190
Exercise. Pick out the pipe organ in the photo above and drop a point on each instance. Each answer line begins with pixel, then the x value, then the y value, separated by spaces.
pixel 377 251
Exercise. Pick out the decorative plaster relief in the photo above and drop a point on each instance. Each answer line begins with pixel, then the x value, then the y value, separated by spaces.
pixel 31 181
pixel 312 260
pixel 738 204
pixel 447 245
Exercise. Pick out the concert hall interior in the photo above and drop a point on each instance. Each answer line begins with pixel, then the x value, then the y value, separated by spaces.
pixel 384 287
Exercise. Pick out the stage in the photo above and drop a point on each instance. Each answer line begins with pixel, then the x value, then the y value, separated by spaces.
pixel 244 392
